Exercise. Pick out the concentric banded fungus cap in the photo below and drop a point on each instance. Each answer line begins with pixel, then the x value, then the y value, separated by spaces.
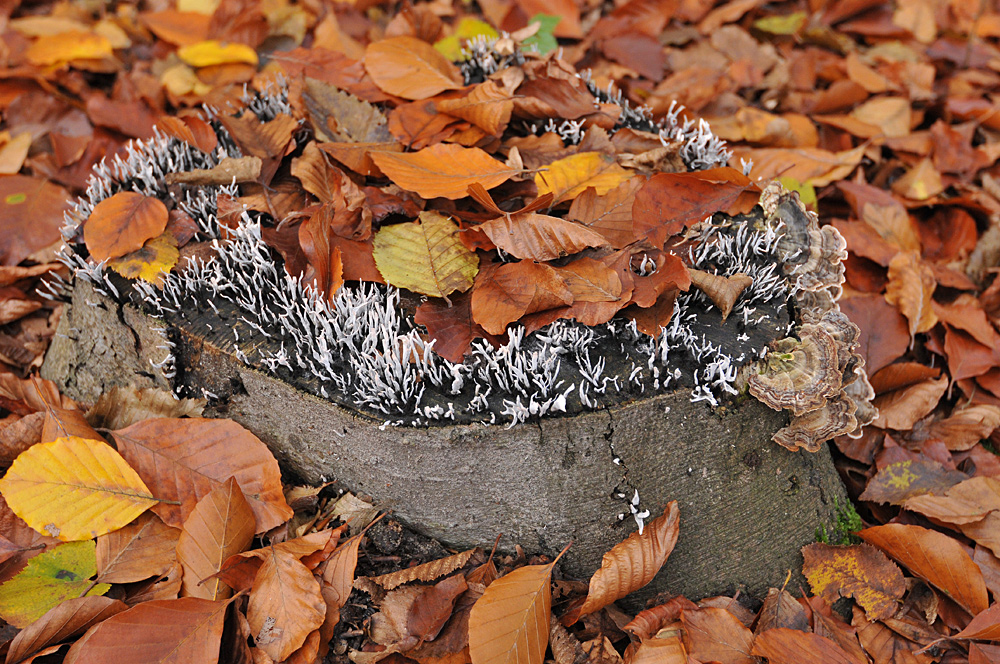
pixel 818 376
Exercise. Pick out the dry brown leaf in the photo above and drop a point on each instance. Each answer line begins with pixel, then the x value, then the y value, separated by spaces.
pixel 782 645
pixel 861 572
pixel 539 237
pixel 444 170
pixel 716 635
pixel 723 291
pixel 487 106
pixel 122 223
pixel 185 459
pixel 967 426
pixel 285 604
pixel 227 171
pixel 221 525
pixel 631 564
pixel 144 548
pixel 610 214
pixel 510 622
pixel 503 294
pixel 410 68
pixel 429 571
pixel 935 558
pixel 62 622
pixel 569 177
pixel 901 409
pixel 119 407
pixel 911 288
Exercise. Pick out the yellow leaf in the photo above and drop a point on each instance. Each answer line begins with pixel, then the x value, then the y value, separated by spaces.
pixel 211 52
pixel 181 80
pixel 858 571
pixel 150 263
pixel 425 256
pixel 509 624
pixel 567 178
pixel 66 47
pixel 206 7
pixel 443 170
pixel 49 579
pixel 467 29
pixel 74 489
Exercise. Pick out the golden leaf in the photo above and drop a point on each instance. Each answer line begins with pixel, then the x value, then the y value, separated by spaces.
pixel 122 223
pixel 208 53
pixel 66 47
pixel 443 170
pixel 74 489
pixel 425 256
pixel 150 263
pixel 862 572
pixel 510 622
pixel 567 178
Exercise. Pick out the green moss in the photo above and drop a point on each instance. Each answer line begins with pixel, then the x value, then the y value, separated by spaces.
pixel 848 522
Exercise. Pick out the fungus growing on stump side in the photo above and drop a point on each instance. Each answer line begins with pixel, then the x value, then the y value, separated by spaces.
pixel 763 312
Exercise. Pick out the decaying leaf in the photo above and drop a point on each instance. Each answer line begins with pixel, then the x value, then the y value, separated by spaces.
pixel 285 604
pixel 152 262
pixel 142 549
pixel 911 286
pixel 62 622
pixel 861 572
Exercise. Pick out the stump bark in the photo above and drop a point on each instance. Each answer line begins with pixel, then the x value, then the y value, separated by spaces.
pixel 747 505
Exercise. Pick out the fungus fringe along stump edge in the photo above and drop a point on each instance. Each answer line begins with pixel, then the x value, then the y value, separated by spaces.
pixel 571 432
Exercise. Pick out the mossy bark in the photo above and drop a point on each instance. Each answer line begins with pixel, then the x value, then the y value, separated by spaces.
pixel 746 504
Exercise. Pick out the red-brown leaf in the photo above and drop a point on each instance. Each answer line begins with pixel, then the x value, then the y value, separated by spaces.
pixel 122 223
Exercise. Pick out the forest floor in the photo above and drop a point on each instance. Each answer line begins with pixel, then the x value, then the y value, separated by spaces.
pixel 884 117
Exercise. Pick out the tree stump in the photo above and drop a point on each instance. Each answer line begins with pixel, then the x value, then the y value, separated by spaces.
pixel 746 504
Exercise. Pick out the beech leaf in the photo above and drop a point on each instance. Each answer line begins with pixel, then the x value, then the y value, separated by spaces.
pixel 285 604
pixel 410 68
pixel 151 262
pixel 783 645
pixel 861 572
pixel 510 622
pixel 911 287
pixel 74 489
pixel 631 564
pixel 512 290
pixel 122 223
pixel 62 622
pixel 567 178
pixel 444 170
pixel 425 256
pixel 539 237
pixel 144 548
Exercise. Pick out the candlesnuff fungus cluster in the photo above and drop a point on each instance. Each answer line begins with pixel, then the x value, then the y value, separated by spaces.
pixel 770 273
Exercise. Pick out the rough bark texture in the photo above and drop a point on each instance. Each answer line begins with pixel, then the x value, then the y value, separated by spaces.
pixel 747 505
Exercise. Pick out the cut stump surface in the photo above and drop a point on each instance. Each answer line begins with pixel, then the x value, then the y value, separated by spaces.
pixel 747 505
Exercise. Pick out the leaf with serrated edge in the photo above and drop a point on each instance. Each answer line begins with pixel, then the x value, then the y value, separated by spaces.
pixel 425 256
pixel 144 548
pixel 443 170
pixel 510 622
pixel 184 459
pixel 631 564
pixel 221 525
pixel 188 629
pixel 429 571
pixel 285 604
pixel 935 558
pixel 74 489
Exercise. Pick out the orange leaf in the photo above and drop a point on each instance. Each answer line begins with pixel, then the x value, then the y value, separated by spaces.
pixel 901 409
pixel 185 459
pixel 716 635
pixel 567 178
pixel 783 645
pixel 486 106
pixel 61 623
pixel 610 214
pixel 144 548
pixel 410 68
pixel 631 564
pixel 338 576
pixel 451 327
pixel 261 139
pixel 935 558
pixel 985 626
pixel 505 293
pixel 813 165
pixel 861 572
pixel 591 280
pixel 177 630
pixel 285 604
pixel 539 237
pixel 67 47
pixel 510 622
pixel 911 287
pixel 442 170
pixel 221 525
pixel 122 223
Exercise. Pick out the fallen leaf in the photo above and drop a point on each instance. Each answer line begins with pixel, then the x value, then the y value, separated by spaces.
pixel 451 328
pixel 49 579
pixel 885 646
pixel 62 622
pixel 858 571
pixel 985 626
pixel 444 170
pixel 631 564
pixel 285 604
pixel 425 256
pixel 791 646
pixel 151 263
pixel 567 178
pixel 210 52
pixel 32 210
pixel 903 408
pixel 410 68
pixel 935 558
pixel 539 237
pixel 505 293
pixel 122 223
pixel 816 166
pixel 67 47
pixel 896 482
pixel 221 525
pixel 188 629
pixel 74 489
pixel 144 548
pixel 716 635
pixel 884 331
pixel 486 106
pixel 911 288
pixel 509 624
pixel 430 571
pixel 609 214
pixel 722 291
pixel 227 171
pixel 185 459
